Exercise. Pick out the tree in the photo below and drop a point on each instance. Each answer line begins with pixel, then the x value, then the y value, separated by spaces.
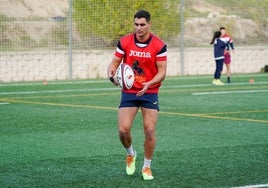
pixel 108 20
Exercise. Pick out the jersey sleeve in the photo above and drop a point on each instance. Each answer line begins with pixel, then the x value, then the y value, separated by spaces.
pixel 162 54
pixel 232 45
pixel 119 52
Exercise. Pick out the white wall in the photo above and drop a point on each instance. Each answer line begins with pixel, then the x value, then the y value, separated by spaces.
pixel 39 66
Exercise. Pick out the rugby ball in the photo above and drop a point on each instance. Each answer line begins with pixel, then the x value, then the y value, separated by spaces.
pixel 125 76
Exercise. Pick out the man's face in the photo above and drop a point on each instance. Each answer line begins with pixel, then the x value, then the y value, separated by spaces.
pixel 223 32
pixel 141 27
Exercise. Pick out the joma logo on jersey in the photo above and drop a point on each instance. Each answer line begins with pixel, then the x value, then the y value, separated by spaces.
pixel 140 54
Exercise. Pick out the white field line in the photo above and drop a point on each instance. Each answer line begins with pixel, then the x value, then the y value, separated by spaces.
pixel 103 80
pixel 54 83
pixel 229 92
pixel 253 186
pixel 246 76
pixel 105 89
pixel 3 103
pixel 57 91
pixel 92 89
pixel 107 81
pixel 206 85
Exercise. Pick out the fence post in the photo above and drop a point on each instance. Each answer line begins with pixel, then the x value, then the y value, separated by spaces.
pixel 182 36
pixel 70 51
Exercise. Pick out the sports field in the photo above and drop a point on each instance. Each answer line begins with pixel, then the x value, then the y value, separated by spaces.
pixel 64 134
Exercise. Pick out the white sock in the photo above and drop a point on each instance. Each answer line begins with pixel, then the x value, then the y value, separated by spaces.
pixel 146 163
pixel 130 151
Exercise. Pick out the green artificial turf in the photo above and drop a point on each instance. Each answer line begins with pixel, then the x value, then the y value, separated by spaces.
pixel 64 134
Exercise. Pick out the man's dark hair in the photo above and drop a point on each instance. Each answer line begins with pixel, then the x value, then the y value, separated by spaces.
pixel 143 14
pixel 221 28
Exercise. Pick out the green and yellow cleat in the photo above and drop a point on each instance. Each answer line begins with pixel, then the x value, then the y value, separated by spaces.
pixel 131 162
pixel 147 174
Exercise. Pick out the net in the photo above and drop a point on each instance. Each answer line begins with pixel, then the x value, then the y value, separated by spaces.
pixel 35 42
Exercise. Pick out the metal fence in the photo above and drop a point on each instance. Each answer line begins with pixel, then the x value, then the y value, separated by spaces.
pixel 75 39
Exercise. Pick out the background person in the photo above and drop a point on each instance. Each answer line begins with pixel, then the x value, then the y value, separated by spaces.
pixel 219 46
pixel 227 56
pixel 147 55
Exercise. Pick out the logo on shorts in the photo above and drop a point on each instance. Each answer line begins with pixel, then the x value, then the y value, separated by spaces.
pixel 156 102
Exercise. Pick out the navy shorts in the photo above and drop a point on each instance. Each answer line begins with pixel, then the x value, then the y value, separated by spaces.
pixel 148 100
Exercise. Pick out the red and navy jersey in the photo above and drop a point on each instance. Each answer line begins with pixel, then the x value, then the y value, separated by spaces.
pixel 142 57
pixel 228 39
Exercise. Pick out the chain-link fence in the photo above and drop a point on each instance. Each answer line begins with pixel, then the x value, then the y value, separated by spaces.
pixel 44 40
